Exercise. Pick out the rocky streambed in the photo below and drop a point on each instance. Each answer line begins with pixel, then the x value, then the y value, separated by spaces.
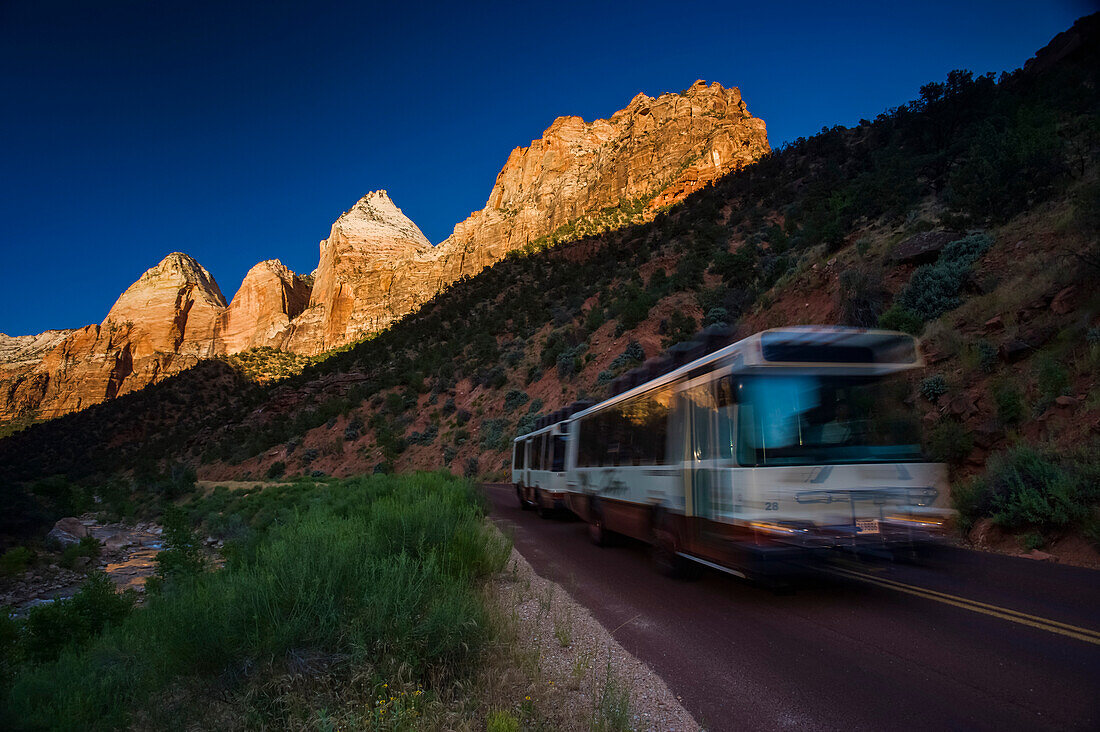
pixel 127 556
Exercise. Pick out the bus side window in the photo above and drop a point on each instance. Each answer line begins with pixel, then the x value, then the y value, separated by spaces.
pixel 558 464
pixel 702 406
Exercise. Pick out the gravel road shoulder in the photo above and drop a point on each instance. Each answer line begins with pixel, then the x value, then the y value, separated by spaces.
pixel 583 678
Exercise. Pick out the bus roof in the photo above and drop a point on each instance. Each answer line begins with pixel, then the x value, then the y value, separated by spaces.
pixel 801 347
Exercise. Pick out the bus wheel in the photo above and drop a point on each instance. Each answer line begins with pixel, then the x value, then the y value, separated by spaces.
pixel 541 510
pixel 664 557
pixel 597 532
pixel 668 562
pixel 523 504
pixel 597 529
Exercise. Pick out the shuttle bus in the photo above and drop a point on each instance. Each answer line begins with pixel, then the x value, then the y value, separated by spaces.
pixel 790 443
pixel 538 468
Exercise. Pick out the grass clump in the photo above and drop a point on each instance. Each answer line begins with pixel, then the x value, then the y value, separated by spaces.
pixel 612 709
pixel 378 577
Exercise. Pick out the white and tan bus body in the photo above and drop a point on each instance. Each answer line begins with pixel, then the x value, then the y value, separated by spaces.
pixel 539 468
pixel 790 442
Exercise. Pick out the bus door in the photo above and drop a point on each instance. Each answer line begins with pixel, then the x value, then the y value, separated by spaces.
pixel 702 476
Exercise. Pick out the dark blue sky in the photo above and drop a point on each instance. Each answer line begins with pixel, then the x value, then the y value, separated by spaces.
pixel 239 131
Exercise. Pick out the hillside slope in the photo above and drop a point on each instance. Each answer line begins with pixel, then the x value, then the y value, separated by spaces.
pixel 968 216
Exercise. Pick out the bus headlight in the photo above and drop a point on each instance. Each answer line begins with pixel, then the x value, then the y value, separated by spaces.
pixel 777 529
pixel 921 522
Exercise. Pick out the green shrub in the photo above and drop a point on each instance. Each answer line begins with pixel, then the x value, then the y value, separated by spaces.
pixel 595 318
pixel 182 556
pixel 15 561
pixel 514 399
pixel 1052 379
pixel 1023 488
pixel 1009 401
pixel 949 442
pixel 426 437
pixel 898 317
pixel 69 623
pixel 276 470
pixel 569 361
pixel 88 546
pixel 493 435
pixel 934 288
pixel 679 327
pixel 634 354
pixel 933 387
pixel 987 356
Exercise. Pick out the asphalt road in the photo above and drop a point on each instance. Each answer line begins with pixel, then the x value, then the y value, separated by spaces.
pixel 971 640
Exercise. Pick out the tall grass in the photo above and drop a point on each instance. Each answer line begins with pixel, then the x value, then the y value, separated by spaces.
pixel 378 573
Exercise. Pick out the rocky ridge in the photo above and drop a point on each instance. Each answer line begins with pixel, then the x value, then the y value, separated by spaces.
pixel 376 265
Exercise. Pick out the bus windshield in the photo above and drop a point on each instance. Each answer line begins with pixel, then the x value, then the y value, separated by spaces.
pixel 824 419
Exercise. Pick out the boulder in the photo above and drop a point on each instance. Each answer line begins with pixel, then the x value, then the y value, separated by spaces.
pixel 66 532
pixel 1065 301
pixel 924 247
pixel 1014 350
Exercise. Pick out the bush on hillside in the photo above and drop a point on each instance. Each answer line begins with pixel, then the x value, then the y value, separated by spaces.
pixel 514 399
pixel 1025 488
pixel 934 288
pixel 933 387
pixel 1010 166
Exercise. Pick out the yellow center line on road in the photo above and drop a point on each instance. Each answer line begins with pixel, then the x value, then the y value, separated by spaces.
pixel 1052 626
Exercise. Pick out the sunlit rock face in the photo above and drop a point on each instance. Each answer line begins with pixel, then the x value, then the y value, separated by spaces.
pixel 163 323
pixel 270 296
pixel 360 282
pixel 376 265
pixel 660 149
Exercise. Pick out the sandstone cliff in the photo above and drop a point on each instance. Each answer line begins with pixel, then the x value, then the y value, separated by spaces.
pixel 268 299
pixel 28 350
pixel 376 265
pixel 360 285
pixel 655 151
pixel 165 322
pixel 577 178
